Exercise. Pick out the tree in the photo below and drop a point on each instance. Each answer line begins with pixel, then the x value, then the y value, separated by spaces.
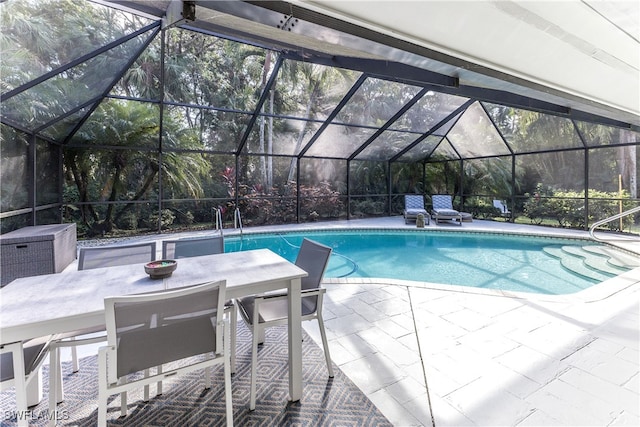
pixel 126 173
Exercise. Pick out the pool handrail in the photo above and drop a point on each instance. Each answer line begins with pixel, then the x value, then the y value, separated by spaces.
pixel 609 219
pixel 237 220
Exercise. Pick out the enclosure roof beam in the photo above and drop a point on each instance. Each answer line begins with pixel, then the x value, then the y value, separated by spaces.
pixel 437 126
pixel 76 62
pixel 389 122
pixel 334 113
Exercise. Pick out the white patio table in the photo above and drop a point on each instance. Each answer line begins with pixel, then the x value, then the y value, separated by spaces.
pixel 32 307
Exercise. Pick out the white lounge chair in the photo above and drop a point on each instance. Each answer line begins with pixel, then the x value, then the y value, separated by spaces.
pixel 502 207
pixel 442 209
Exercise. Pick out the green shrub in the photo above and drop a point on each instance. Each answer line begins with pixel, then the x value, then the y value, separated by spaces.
pixel 127 221
pixel 184 218
pixel 567 208
pixel 166 219
pixel 481 208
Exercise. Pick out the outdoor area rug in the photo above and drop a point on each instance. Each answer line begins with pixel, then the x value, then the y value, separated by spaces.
pixel 185 402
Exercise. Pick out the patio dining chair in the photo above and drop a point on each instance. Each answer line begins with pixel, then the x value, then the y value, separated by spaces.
pixel 262 311
pixel 153 329
pixel 198 246
pixel 90 258
pixel 35 352
pixel 192 246
pixel 111 256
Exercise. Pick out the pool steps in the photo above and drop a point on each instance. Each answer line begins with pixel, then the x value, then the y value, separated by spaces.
pixel 615 257
pixel 594 262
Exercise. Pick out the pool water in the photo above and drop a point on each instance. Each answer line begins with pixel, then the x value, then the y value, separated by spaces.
pixel 481 260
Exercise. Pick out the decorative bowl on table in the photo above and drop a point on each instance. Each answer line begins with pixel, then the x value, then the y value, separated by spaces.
pixel 161 268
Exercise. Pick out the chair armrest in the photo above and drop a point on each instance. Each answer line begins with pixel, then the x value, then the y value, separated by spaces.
pixel 271 295
pixel 311 292
pixel 304 293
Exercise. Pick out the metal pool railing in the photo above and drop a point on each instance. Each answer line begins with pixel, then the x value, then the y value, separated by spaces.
pixel 606 220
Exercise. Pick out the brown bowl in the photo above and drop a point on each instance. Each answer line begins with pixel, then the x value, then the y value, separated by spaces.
pixel 161 268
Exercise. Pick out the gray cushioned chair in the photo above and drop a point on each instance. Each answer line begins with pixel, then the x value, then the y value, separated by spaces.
pixel 442 209
pixel 34 352
pixel 110 256
pixel 414 206
pixel 152 329
pixel 263 311
pixel 198 246
pixel 90 258
pixel 192 246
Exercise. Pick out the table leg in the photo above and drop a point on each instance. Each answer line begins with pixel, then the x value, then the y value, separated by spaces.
pixel 295 340
pixel 19 381
pixel 34 389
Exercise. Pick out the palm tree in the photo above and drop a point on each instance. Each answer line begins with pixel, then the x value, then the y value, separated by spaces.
pixel 127 174
pixel 318 81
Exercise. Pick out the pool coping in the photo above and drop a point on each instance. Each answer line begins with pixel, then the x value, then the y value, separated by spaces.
pixel 597 292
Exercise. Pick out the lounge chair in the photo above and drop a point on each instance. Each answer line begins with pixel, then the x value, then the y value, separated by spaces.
pixel 502 207
pixel 443 210
pixel 414 206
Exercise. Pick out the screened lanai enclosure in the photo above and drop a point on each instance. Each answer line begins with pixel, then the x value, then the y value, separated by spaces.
pixel 154 115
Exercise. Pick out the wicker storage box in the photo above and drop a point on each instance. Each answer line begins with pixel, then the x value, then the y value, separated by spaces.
pixel 41 249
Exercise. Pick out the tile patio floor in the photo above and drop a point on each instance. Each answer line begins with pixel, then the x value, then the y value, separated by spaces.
pixel 428 355
pixel 487 360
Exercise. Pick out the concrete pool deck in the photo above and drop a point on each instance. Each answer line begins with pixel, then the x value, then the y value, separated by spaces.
pixel 430 355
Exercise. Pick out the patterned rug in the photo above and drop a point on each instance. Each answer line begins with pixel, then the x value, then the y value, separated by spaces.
pixel 184 402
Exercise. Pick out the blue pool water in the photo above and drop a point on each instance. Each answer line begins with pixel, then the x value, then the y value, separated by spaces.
pixel 490 261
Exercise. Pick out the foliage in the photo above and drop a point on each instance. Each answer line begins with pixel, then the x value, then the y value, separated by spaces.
pixel 166 219
pixel 567 207
pixel 128 221
pixel 368 177
pixel 443 178
pixel 169 145
pixel 280 207
pixel 481 208
pixel 363 207
pixel 488 176
pixel 14 171
pixel 185 218
pixel 407 178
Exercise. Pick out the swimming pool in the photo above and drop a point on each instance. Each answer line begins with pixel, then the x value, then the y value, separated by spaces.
pixel 481 260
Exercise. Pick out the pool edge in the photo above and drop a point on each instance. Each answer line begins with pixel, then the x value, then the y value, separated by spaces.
pixel 597 292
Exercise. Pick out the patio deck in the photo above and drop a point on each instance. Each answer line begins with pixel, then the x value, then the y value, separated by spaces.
pixel 429 355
